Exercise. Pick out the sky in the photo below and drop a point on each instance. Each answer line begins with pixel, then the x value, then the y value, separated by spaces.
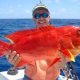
pixel 59 9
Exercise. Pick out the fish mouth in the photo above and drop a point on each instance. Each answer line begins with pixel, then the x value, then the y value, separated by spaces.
pixel 78 32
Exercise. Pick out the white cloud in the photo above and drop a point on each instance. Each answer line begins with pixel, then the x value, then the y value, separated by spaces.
pixel 76 0
pixel 53 1
pixel 11 11
pixel 60 10
pixel 57 1
pixel 60 13
pixel 19 5
pixel 28 11
pixel 48 1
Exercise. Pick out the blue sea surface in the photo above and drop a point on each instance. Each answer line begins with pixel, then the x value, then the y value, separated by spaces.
pixel 8 26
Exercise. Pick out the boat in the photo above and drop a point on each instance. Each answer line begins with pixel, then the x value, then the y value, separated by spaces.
pixel 20 75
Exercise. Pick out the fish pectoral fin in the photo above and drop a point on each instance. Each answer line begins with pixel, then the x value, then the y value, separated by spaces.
pixel 67 53
pixel 54 61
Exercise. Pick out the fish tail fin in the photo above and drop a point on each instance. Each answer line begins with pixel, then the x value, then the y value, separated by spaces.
pixel 3 47
pixel 67 53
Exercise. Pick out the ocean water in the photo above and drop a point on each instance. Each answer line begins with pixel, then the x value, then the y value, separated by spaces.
pixel 8 26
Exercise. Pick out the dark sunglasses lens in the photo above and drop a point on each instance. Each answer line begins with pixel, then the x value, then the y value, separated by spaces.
pixel 37 16
pixel 45 15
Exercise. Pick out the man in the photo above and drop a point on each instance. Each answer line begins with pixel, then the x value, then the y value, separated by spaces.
pixel 40 70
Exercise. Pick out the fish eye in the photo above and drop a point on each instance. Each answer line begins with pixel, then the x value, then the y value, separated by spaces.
pixel 78 32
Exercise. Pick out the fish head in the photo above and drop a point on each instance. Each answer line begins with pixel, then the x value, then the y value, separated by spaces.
pixel 70 36
pixel 75 35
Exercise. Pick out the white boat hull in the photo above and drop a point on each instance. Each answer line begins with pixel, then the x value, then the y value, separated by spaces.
pixel 5 76
pixel 20 75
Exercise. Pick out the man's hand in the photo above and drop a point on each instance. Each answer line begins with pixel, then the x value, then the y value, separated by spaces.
pixel 13 57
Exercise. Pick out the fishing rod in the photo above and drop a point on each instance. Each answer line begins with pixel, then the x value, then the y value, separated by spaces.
pixel 40 1
pixel 71 72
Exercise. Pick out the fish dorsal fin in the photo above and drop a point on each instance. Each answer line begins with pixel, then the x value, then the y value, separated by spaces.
pixel 46 28
pixel 18 35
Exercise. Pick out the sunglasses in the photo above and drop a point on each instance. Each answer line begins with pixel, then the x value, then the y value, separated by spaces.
pixel 37 15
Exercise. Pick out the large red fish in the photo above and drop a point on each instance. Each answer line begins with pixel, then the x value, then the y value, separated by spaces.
pixel 37 43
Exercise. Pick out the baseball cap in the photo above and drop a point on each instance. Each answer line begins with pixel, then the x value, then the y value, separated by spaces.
pixel 40 7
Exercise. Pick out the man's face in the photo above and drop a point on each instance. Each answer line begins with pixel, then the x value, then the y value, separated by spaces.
pixel 41 18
